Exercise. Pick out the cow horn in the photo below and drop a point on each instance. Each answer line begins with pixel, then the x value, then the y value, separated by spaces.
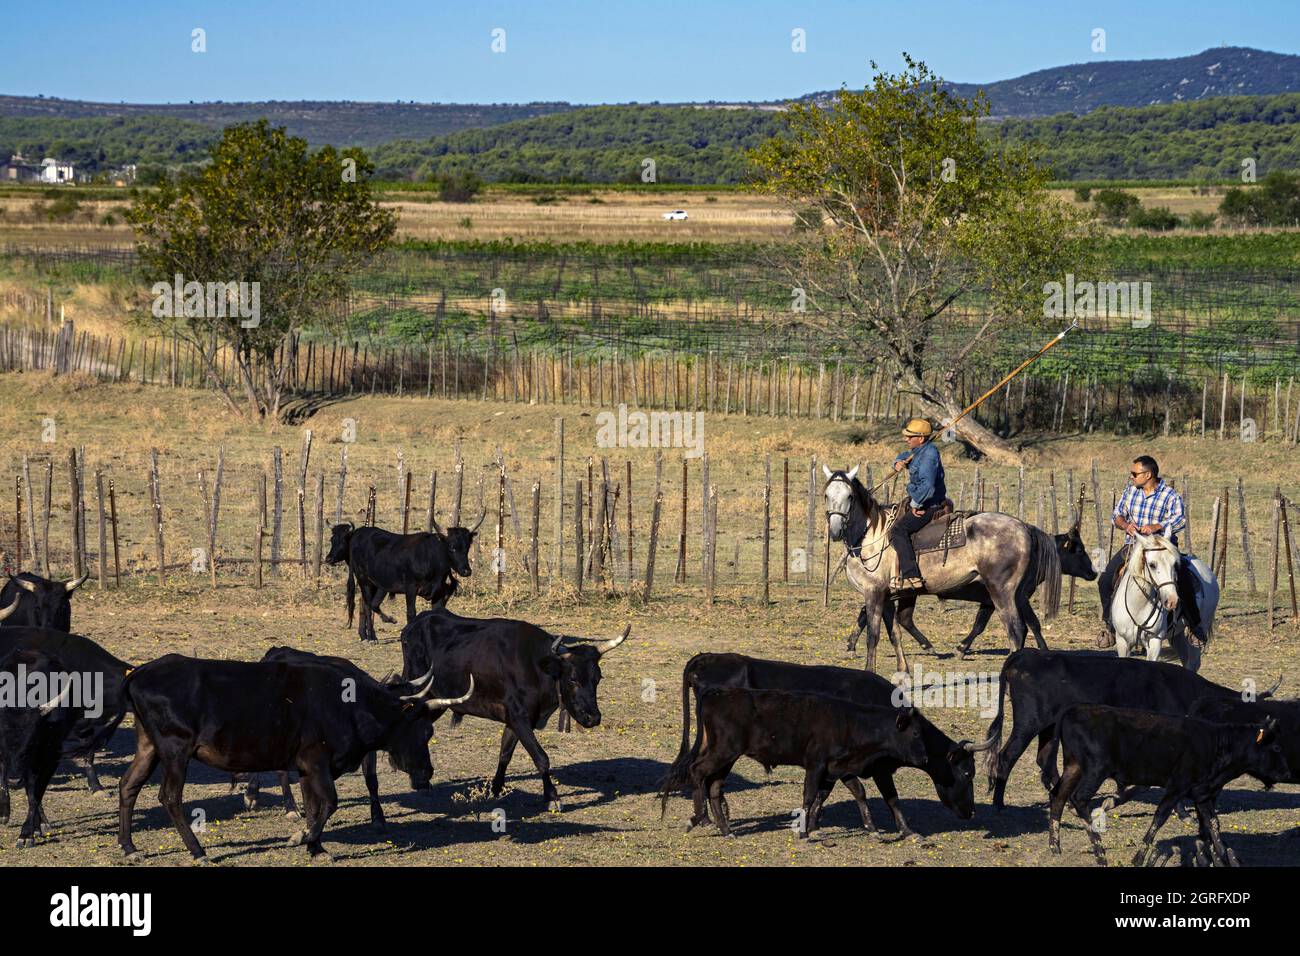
pixel 971 747
pixel 71 586
pixel 557 644
pixel 421 684
pixel 604 647
pixel 59 701
pixel 437 703
pixel 437 527
pixel 1268 693
pixel 479 523
pixel 6 611
pixel 25 584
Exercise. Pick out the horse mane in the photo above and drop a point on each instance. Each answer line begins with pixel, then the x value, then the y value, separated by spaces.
pixel 1158 543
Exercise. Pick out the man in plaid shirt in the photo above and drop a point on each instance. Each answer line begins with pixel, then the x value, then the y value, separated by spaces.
pixel 1148 506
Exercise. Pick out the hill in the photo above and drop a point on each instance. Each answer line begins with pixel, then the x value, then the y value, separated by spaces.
pixel 338 123
pixel 1083 87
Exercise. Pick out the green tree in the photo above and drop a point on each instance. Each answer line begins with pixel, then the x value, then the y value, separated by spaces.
pixel 264 210
pixel 918 209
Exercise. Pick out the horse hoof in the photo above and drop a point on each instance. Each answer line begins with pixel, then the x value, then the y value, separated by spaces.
pixel 322 858
pixel 292 815
pixel 297 838
pixel 555 806
pixel 135 856
pixel 25 842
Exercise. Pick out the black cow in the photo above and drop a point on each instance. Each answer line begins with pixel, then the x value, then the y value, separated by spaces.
pixel 32 736
pixel 244 717
pixel 384 563
pixel 1075 562
pixel 41 602
pixel 522 674
pixel 368 763
pixel 1237 711
pixel 949 764
pixel 80 655
pixel 831 738
pixel 1191 759
pixel 1041 684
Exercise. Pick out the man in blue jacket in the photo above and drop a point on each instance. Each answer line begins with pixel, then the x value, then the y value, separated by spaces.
pixel 926 493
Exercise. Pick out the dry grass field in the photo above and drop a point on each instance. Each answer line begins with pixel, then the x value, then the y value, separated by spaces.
pixel 602 216
pixel 607 775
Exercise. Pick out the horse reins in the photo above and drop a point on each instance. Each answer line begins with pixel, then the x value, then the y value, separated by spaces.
pixel 856 550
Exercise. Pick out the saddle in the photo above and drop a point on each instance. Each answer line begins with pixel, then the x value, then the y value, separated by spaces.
pixel 945 531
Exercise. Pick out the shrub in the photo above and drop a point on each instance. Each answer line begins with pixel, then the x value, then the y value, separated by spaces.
pixel 1115 205
pixel 1159 219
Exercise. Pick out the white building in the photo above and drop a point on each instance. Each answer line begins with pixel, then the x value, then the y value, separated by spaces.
pixel 53 171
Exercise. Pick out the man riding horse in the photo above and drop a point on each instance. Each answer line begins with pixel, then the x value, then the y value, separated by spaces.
pixel 926 494
pixel 1149 506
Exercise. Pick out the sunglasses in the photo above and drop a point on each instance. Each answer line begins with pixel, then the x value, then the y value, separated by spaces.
pixel 1134 474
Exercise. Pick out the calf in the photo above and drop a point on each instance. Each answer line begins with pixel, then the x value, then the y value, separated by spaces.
pixel 384 563
pixel 949 764
pixel 1191 759
pixel 831 738
pixel 1041 684
pixel 41 602
pixel 80 655
pixel 368 763
pixel 32 735
pixel 522 675
pixel 1238 711
pixel 245 717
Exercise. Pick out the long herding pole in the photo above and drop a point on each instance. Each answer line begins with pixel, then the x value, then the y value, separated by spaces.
pixel 980 401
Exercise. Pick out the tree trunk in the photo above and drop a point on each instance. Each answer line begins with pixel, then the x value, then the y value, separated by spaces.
pixel 941 407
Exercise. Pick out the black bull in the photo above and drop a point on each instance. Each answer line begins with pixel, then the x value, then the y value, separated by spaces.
pixel 1042 684
pixel 522 675
pixel 421 766
pixel 949 765
pixel 41 602
pixel 83 656
pixel 382 563
pixel 32 736
pixel 243 717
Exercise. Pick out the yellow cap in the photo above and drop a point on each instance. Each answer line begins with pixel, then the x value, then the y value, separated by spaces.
pixel 918 428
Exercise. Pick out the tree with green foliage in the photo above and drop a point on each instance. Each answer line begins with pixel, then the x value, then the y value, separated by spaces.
pixel 1115 206
pixel 1275 201
pixel 917 209
pixel 264 210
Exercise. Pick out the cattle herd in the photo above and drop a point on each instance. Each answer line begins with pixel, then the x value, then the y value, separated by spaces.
pixel 1136 722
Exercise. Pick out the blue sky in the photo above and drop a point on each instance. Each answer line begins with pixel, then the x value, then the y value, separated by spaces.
pixel 583 52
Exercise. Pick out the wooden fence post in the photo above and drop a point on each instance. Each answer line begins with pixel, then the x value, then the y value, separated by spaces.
pixel 320 527
pixel 112 517
pixel 103 531
pixel 1245 537
pixel 537 515
pixel 767 526
pixel 578 556
pixel 652 545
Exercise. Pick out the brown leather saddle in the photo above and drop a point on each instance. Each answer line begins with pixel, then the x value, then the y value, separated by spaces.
pixel 945 531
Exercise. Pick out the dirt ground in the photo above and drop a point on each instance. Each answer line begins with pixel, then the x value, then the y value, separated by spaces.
pixel 607 776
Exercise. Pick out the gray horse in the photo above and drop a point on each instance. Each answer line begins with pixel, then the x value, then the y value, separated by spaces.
pixel 1010 558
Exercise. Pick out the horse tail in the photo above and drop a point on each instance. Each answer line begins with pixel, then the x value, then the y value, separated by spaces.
pixel 1046 562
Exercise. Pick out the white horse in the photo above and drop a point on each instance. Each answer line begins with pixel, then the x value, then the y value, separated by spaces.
pixel 1142 609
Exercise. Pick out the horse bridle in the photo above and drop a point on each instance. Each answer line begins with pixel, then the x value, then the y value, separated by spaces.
pixel 1144 627
pixel 855 550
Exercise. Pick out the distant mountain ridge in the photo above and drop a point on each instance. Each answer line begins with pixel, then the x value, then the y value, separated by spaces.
pixel 1078 88
pixel 1083 87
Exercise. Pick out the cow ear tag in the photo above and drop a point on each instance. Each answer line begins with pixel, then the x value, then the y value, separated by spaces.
pixel 1259 738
